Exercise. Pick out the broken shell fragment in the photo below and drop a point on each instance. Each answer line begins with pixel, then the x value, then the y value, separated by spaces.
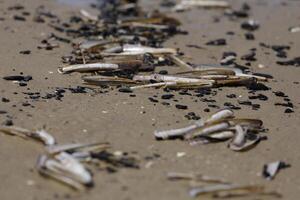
pixel 271 169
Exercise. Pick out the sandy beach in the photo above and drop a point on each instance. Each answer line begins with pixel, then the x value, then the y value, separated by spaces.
pixel 127 121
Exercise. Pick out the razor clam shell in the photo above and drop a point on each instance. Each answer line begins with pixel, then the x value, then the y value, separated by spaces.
pixel 240 136
pixel 186 4
pixel 142 25
pixel 92 45
pixel 176 176
pixel 44 136
pixel 41 136
pixel 177 132
pixel 223 114
pixel 44 171
pixel 207 130
pixel 166 78
pixel 214 137
pixel 251 124
pixel 219 115
pixel 237 72
pixel 216 71
pixel 78 147
pixel 68 164
pixel 224 188
pixel 88 67
pixel 135 50
pixel 116 49
pixel 179 62
pixel 194 192
pixel 235 81
pixel 240 142
pixel 63 164
pixel 162 84
pixel 197 85
pixel 16 131
pixel 144 49
pixel 104 80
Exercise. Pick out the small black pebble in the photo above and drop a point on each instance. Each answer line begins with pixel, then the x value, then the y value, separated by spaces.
pixel 22 84
pixel 206 110
pixel 182 107
pixel 165 103
pixel 247 103
pixel 231 96
pixel 25 52
pixel 279 94
pixel 192 116
pixel 249 36
pixel 5 100
pixel 153 100
pixel 125 90
pixel 8 122
pixel 167 96
pixel 19 18
pixel 163 72
pixel 25 104
pixel 217 42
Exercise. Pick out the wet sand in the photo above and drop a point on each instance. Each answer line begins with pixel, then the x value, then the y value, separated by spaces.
pixel 128 122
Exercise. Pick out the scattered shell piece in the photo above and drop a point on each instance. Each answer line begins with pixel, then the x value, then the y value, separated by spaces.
pixel 40 135
pixel 294 29
pixel 187 4
pixel 66 169
pixel 271 169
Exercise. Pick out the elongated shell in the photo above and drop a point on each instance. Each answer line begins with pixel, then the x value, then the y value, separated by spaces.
pixel 78 147
pixel 41 135
pixel 166 78
pixel 88 67
pixel 134 50
pixel 222 114
pixel 241 142
pixel 104 80
pixel 45 137
pixel 216 190
pixel 201 72
pixel 174 132
pixel 207 130
pixel 249 123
